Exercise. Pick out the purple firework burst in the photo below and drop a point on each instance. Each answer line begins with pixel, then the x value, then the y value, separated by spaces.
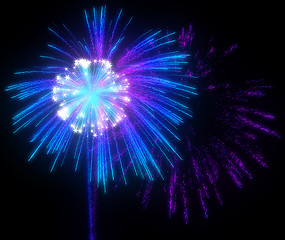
pixel 222 141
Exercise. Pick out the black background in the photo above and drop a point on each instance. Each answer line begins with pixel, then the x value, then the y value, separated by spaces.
pixel 41 205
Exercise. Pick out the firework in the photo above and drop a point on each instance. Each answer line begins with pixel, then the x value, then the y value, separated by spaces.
pixel 106 103
pixel 223 142
pixel 98 99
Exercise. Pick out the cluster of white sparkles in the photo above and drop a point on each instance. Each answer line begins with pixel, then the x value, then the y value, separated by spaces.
pixel 72 89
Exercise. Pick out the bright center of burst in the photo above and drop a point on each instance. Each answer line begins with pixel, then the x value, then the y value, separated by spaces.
pixel 91 96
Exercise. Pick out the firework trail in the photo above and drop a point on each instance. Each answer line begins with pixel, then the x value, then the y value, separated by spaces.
pixel 106 102
pixel 223 142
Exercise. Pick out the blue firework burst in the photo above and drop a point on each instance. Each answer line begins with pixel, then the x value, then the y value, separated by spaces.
pixel 105 102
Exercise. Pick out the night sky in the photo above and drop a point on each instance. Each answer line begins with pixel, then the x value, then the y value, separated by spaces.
pixel 41 205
